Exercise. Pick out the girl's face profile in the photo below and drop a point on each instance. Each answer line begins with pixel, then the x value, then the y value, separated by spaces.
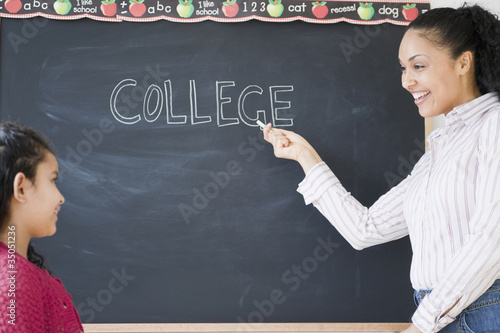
pixel 44 198
pixel 436 81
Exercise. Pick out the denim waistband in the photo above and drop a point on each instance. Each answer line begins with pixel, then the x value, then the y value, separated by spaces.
pixel 419 295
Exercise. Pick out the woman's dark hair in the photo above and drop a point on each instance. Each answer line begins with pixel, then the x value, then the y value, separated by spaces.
pixel 464 29
pixel 21 150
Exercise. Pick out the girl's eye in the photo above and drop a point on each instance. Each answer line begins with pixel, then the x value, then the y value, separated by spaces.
pixel 418 67
pixel 403 68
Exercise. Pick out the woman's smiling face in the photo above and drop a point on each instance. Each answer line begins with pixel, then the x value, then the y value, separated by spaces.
pixel 437 82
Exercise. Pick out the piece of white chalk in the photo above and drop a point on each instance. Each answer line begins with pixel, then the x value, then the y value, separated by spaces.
pixel 262 125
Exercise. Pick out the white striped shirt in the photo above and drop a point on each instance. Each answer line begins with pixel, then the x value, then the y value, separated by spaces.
pixel 449 206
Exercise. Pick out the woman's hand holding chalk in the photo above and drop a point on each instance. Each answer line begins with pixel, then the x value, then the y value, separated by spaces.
pixel 288 144
pixel 262 125
pixel 278 138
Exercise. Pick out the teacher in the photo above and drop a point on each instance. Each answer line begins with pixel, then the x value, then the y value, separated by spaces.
pixel 450 204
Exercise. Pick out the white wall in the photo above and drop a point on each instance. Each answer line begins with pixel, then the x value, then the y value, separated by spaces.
pixel 492 5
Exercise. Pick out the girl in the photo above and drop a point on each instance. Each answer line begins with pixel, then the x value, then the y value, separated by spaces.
pixel 35 301
pixel 450 204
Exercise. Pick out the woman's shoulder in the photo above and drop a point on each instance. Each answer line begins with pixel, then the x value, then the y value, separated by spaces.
pixel 490 120
pixel 488 129
pixel 484 114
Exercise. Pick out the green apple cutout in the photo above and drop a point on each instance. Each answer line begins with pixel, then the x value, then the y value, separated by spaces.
pixel 62 7
pixel 275 8
pixel 365 10
pixel 185 8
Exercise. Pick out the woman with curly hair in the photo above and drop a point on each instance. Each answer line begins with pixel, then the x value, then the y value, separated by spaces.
pixel 450 204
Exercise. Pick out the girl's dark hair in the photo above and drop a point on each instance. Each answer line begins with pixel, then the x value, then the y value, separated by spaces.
pixel 21 150
pixel 464 29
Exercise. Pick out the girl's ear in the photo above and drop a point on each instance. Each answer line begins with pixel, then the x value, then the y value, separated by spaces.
pixel 20 187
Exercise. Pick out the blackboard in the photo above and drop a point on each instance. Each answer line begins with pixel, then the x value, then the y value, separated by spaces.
pixel 176 211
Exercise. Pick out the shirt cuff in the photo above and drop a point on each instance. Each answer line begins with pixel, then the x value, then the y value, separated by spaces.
pixel 318 180
pixel 428 318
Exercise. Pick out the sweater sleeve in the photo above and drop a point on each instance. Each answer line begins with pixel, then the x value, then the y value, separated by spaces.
pixel 362 227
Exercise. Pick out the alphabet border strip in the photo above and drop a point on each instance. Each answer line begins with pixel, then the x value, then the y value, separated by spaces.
pixel 398 12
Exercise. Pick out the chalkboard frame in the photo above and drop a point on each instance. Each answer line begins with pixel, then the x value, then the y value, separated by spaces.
pixel 254 327
pixel 257 327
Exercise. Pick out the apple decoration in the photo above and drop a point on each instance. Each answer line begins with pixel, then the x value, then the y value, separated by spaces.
pixel 410 12
pixel 230 8
pixel 319 9
pixel 275 8
pixel 365 10
pixel 108 7
pixel 13 6
pixel 62 7
pixel 185 8
pixel 137 7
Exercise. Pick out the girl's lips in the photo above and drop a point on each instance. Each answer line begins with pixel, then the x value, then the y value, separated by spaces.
pixel 421 97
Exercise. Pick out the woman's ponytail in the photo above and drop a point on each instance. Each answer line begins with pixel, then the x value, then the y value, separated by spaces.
pixel 487 53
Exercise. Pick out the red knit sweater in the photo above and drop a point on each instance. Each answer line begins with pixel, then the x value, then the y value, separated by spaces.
pixel 31 300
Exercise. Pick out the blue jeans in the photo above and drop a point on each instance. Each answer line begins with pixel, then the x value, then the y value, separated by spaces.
pixel 482 316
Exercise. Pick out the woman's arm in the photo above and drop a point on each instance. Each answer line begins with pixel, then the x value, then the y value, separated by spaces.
pixel 360 226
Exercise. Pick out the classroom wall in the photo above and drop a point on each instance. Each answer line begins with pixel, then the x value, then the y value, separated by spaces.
pixel 492 5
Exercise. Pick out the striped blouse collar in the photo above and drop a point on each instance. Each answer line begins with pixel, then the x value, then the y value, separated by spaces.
pixel 468 112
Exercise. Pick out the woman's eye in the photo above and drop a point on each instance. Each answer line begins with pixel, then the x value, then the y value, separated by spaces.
pixel 418 67
pixel 403 68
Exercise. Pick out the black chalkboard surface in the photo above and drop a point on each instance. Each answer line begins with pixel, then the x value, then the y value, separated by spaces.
pixel 176 211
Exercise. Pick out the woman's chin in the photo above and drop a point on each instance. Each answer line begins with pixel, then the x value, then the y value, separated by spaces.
pixel 426 112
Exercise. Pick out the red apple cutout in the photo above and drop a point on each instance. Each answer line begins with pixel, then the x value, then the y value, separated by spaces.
pixel 108 7
pixel 230 8
pixel 410 12
pixel 13 6
pixel 319 9
pixel 137 8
